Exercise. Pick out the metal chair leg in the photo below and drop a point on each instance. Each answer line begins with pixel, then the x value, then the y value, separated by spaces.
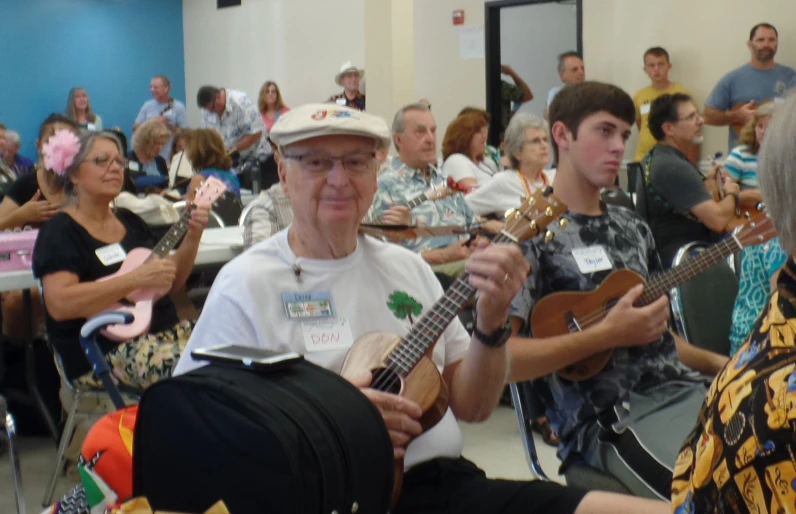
pixel 523 419
pixel 15 469
pixel 66 438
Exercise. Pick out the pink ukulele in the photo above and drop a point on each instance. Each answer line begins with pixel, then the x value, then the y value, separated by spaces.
pixel 139 302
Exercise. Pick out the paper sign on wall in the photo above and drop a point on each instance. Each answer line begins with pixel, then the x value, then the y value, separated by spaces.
pixel 471 42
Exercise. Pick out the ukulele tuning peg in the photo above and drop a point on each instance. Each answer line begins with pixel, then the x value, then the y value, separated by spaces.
pixel 510 213
pixel 548 236
pixel 534 226
pixel 532 203
pixel 548 212
pixel 563 222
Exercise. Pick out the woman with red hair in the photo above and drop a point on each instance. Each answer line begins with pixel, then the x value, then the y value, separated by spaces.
pixel 464 150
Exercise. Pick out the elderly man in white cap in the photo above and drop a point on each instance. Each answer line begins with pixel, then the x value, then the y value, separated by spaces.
pixel 328 170
pixel 348 78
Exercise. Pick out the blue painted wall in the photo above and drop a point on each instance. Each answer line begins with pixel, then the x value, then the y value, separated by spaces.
pixel 110 47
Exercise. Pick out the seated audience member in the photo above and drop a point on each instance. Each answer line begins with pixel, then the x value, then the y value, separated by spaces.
pixel 270 104
pixel 78 109
pixel 330 196
pixel 31 200
pixel 87 242
pixel 148 141
pixel 657 67
pixel 740 455
pixel 681 207
pixel 19 164
pixel 492 155
pixel 741 164
pixel 760 264
pixel 233 114
pixel 628 419
pixel 739 92
pixel 209 158
pixel 180 167
pixel 528 147
pixel 415 138
pixel 464 150
pixel 34 198
pixel 349 78
pixel 571 70
pixel 270 213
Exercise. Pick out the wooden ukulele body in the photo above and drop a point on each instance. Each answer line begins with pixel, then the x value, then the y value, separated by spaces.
pixel 423 385
pixel 557 314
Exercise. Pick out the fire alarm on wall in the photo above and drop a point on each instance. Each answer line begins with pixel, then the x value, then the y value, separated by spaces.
pixel 458 17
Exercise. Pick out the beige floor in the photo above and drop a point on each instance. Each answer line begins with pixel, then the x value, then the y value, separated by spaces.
pixel 494 445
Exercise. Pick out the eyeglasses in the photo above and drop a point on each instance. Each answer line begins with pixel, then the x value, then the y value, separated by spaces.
pixel 537 141
pixel 105 161
pixel 354 164
pixel 691 117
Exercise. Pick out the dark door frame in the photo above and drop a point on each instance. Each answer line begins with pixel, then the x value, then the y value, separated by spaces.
pixel 492 54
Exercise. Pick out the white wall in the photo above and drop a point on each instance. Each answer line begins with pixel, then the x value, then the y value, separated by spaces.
pixel 531 39
pixel 705 39
pixel 440 75
pixel 298 43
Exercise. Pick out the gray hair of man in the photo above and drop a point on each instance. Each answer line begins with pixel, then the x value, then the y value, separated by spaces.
pixel 12 136
pixel 775 172
pixel 562 59
pixel 87 140
pixel 514 137
pixel 399 121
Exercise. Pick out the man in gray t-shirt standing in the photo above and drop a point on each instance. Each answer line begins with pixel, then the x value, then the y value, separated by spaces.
pixel 737 95
pixel 171 110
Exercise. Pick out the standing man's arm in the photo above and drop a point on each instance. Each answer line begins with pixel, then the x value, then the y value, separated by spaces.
pixel 181 115
pixel 526 90
pixel 140 118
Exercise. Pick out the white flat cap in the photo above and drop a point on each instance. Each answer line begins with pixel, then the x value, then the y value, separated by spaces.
pixel 315 120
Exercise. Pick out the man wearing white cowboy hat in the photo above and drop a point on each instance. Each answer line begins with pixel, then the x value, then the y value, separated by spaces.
pixel 349 77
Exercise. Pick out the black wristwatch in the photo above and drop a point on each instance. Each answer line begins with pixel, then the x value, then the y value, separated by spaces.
pixel 497 338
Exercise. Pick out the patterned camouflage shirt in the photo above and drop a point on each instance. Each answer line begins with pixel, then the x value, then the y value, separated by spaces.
pixel 572 407
pixel 405 183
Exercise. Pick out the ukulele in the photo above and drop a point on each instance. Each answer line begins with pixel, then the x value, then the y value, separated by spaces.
pixel 402 365
pixel 567 312
pixel 139 302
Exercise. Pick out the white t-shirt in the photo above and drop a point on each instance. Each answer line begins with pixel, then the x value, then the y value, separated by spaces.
pixel 245 307
pixel 459 166
pixel 505 191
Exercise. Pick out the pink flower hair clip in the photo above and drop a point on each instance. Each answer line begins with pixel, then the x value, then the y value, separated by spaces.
pixel 60 151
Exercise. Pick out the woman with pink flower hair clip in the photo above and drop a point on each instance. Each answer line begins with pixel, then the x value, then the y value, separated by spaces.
pixel 88 241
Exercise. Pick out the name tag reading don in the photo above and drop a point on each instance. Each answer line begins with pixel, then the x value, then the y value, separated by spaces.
pixel 111 254
pixel 324 335
pixel 592 259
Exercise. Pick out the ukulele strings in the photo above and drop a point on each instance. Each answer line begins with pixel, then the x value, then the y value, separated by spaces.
pixel 689 269
pixel 387 381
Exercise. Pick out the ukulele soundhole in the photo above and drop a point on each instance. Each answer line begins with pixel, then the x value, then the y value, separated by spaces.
pixel 386 380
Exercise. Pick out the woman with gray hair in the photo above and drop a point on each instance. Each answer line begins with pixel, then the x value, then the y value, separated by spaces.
pixel 149 139
pixel 760 417
pixel 77 250
pixel 527 144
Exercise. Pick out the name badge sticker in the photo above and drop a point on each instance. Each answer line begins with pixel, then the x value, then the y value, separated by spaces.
pixel 592 259
pixel 308 305
pixel 324 335
pixel 340 101
pixel 111 254
pixel 644 109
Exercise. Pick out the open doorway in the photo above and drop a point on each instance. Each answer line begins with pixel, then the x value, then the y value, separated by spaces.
pixel 528 36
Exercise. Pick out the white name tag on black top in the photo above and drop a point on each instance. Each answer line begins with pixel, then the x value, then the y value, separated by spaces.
pixel 592 259
pixel 111 254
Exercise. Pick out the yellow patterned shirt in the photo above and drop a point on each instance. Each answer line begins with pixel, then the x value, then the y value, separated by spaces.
pixel 741 456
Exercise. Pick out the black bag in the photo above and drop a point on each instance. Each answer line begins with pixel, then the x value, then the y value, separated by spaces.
pixel 296 440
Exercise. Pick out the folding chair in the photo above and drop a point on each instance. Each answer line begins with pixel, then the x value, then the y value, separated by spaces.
pixel 99 365
pixel 577 474
pixel 13 453
pixel 702 307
